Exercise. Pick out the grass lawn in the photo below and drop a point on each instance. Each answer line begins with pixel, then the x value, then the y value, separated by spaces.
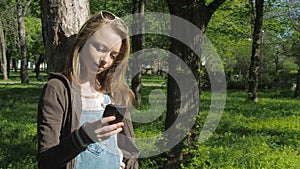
pixel 15 76
pixel 250 135
pixel 253 135
pixel 18 141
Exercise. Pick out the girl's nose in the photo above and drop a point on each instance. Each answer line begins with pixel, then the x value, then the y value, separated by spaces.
pixel 105 57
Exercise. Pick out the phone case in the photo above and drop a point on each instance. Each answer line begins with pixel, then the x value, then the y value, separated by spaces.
pixel 114 110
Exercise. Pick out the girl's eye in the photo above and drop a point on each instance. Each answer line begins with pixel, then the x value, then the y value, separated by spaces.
pixel 114 56
pixel 101 48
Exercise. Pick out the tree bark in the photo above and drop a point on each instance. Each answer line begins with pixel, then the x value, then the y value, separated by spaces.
pixel 61 21
pixel 21 12
pixel 256 51
pixel 138 42
pixel 297 89
pixel 14 64
pixel 199 14
pixel 9 63
pixel 3 59
pixel 37 66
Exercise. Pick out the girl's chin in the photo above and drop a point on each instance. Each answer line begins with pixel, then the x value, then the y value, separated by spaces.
pixel 100 70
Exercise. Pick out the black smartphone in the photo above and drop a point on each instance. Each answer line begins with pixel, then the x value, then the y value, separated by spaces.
pixel 114 110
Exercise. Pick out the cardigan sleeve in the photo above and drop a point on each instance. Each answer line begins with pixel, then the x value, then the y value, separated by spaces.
pixel 53 150
pixel 127 145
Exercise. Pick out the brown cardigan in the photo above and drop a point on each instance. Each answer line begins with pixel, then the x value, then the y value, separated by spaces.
pixel 58 111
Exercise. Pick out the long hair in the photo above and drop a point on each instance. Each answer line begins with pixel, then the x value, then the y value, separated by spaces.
pixel 111 81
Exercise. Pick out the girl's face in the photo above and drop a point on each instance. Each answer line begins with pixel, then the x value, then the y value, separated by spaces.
pixel 99 53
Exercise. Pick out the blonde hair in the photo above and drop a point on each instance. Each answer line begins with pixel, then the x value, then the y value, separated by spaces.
pixel 111 81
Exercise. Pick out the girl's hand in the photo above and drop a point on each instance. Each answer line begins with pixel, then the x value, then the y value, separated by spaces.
pixel 100 130
pixel 122 166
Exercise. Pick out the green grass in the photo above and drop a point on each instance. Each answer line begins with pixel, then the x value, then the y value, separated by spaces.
pixel 18 143
pixel 153 79
pixel 15 76
pixel 253 135
pixel 250 135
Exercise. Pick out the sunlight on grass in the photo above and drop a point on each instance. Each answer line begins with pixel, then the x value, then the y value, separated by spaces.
pixel 18 125
pixel 249 135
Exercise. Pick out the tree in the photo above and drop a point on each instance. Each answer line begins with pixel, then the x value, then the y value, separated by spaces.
pixel 21 12
pixel 198 13
pixel 35 43
pixel 34 36
pixel 230 32
pixel 61 20
pixel 294 16
pixel 287 31
pixel 10 30
pixel 256 51
pixel 138 43
pixel 3 53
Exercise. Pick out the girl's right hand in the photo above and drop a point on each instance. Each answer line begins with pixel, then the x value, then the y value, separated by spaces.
pixel 100 130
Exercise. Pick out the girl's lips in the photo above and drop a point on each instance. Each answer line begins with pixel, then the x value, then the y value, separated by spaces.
pixel 100 69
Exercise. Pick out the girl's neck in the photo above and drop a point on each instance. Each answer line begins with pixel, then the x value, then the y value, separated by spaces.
pixel 87 90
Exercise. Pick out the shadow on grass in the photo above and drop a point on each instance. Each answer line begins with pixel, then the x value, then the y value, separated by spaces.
pixel 18 143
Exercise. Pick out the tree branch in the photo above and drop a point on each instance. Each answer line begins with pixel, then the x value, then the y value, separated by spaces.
pixel 23 7
pixel 214 5
pixel 26 6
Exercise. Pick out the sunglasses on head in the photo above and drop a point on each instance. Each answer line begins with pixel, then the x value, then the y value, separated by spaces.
pixel 106 15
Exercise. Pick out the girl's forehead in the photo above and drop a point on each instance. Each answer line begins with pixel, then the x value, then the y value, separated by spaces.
pixel 107 36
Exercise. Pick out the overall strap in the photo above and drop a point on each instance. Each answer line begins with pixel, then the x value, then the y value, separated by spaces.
pixel 106 99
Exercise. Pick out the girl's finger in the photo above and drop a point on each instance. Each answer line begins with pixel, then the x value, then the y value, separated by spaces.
pixel 107 119
pixel 105 136
pixel 109 128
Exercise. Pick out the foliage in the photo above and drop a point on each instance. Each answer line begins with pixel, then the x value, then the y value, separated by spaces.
pixel 280 63
pixel 34 38
pixel 230 32
pixel 33 29
pixel 34 9
pixel 120 8
pixel 10 28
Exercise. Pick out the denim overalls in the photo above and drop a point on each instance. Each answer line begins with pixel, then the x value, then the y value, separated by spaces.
pixel 99 155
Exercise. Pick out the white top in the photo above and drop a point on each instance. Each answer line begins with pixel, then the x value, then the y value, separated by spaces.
pixel 91 99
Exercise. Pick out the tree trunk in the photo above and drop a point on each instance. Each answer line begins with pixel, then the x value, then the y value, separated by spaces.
pixel 21 12
pixel 37 66
pixel 297 90
pixel 8 66
pixel 138 41
pixel 256 52
pixel 199 14
pixel 3 53
pixel 14 64
pixel 61 21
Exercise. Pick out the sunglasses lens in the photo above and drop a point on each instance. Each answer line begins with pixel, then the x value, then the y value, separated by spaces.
pixel 108 15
